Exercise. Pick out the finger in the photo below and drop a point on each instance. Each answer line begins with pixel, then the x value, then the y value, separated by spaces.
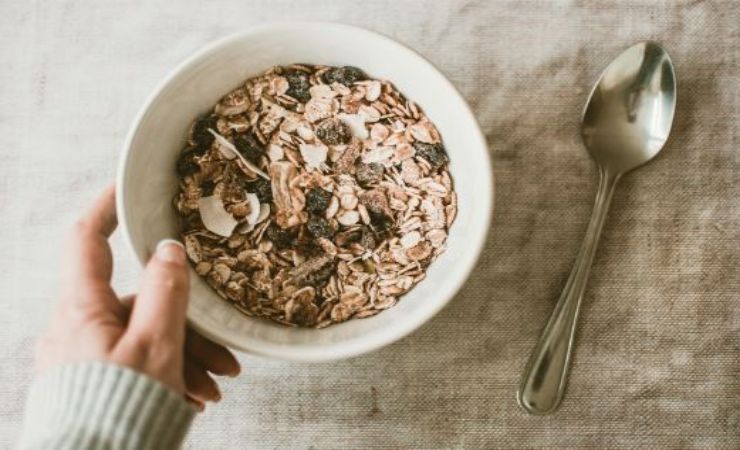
pixel 199 385
pixel 101 217
pixel 159 309
pixel 90 263
pixel 211 356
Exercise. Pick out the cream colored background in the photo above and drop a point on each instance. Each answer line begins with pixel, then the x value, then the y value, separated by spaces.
pixel 658 361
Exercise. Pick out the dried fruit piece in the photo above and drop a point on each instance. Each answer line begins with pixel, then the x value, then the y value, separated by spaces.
pixel 346 162
pixel 333 132
pixel 317 200
pixel 319 227
pixel 186 164
pixel 229 151
pixel 298 85
pixel 281 238
pixel 262 188
pixel 378 208
pixel 307 247
pixel 346 75
pixel 320 277
pixel 434 154
pixel 200 135
pixel 206 188
pixel 249 146
pixel 368 174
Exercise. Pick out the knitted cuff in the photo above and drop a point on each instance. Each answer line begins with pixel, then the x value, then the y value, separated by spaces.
pixel 101 405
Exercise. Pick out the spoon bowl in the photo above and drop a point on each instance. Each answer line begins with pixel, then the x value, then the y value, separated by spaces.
pixel 629 113
pixel 626 122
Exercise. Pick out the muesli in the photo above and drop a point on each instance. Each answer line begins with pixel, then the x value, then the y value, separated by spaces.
pixel 312 195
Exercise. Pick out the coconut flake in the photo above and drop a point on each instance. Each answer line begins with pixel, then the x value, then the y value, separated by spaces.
pixel 264 213
pixel 313 155
pixel 356 123
pixel 254 208
pixel 230 152
pixel 226 148
pixel 215 217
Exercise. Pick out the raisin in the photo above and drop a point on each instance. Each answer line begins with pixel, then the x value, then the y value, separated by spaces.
pixel 319 227
pixel 368 174
pixel 249 146
pixel 434 153
pixel 262 188
pixel 363 235
pixel 200 150
pixel 368 239
pixel 317 200
pixel 186 165
pixel 190 222
pixel 307 246
pixel 201 136
pixel 347 237
pixel 298 85
pixel 206 188
pixel 319 278
pixel 380 221
pixel 280 238
pixel 346 75
pixel 333 132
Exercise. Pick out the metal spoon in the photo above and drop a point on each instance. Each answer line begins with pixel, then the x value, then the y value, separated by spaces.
pixel 626 122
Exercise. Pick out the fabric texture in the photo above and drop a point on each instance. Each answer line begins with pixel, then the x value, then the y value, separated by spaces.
pixel 657 362
pixel 97 405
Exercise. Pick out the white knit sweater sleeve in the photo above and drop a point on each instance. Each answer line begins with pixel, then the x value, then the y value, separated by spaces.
pixel 98 405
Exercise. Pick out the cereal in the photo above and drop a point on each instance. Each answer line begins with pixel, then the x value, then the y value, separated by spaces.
pixel 313 195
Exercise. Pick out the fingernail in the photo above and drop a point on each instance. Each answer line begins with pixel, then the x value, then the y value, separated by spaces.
pixel 170 250
pixel 233 373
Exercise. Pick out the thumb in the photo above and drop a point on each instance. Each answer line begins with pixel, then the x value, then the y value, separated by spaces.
pixel 160 307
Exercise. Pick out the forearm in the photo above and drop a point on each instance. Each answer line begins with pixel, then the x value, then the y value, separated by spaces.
pixel 101 405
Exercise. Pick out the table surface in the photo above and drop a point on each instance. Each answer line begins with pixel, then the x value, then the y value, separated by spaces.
pixel 658 356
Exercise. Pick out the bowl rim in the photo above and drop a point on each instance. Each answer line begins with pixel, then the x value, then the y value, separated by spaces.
pixel 350 348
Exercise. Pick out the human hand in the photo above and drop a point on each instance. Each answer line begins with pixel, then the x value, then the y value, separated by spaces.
pixel 146 332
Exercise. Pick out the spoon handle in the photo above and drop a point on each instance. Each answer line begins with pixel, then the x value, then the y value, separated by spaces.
pixel 545 378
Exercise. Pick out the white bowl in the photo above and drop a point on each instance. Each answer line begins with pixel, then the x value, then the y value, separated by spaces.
pixel 147 181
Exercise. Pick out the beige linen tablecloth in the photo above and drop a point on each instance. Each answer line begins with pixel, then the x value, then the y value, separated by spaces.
pixel 658 357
